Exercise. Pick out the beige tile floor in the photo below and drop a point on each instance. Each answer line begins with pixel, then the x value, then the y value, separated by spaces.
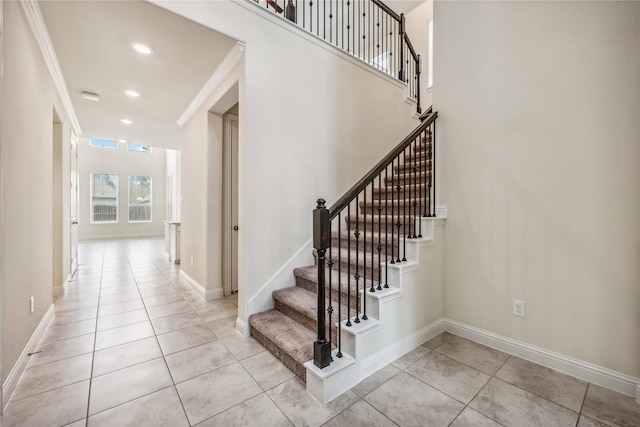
pixel 131 345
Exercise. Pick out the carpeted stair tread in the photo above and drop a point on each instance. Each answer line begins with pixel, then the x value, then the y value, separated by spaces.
pixel 302 306
pixel 287 339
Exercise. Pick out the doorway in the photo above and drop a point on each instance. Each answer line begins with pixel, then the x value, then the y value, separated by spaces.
pixel 230 197
pixel 73 206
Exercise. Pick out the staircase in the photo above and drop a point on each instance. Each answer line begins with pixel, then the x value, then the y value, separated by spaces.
pixel 368 237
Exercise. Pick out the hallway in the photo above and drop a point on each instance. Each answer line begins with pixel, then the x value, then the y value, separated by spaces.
pixel 132 345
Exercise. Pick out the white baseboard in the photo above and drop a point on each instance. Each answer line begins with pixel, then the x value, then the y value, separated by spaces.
pixel 206 294
pixel 60 290
pixel 586 371
pixel 119 236
pixel 328 383
pixel 262 300
pixel 18 369
pixel 243 327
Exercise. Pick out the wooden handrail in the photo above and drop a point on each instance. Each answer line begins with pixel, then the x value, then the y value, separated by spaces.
pixel 387 9
pixel 348 197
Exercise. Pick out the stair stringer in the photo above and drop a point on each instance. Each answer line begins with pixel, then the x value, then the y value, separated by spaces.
pixel 401 318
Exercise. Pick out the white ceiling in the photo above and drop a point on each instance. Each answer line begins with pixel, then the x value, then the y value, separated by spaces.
pixel 92 40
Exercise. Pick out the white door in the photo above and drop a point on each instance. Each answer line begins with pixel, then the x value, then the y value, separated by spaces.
pixel 230 254
pixel 73 257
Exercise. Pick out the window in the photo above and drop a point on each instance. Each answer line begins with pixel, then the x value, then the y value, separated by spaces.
pixel 430 82
pixel 104 197
pixel 140 202
pixel 95 142
pixel 138 147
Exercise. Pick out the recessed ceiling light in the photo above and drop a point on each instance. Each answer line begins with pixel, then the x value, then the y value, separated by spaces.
pixel 142 48
pixel 132 93
pixel 126 121
pixel 91 96
pixel 122 141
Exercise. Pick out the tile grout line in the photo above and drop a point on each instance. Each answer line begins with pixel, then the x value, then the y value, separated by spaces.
pixel 584 398
pixel 95 339
pixel 164 358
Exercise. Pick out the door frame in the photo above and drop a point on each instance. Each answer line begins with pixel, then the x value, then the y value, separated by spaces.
pixel 74 200
pixel 229 164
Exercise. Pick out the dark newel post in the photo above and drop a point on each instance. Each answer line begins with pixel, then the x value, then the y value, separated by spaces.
pixel 401 73
pixel 321 242
pixel 290 11
pixel 418 74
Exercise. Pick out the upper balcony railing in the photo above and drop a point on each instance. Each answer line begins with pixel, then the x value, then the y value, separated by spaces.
pixel 367 29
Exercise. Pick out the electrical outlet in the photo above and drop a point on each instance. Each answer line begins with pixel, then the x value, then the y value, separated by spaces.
pixel 191 262
pixel 32 305
pixel 518 308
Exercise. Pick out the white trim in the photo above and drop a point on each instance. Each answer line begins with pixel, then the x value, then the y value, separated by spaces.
pixel 586 371
pixel 60 290
pixel 39 28
pixel 324 385
pixel 18 369
pixel 243 327
pixel 318 41
pixel 441 212
pixel 262 299
pixel 206 294
pixel 229 62
pixel 118 236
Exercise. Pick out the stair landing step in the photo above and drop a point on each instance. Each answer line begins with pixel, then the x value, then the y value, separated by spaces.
pixel 288 340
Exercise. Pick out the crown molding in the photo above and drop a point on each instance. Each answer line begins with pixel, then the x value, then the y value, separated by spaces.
pixel 229 62
pixel 33 14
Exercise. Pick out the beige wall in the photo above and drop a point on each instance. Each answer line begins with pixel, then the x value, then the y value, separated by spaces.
pixel 29 99
pixel 539 136
pixel 310 134
pixel 123 163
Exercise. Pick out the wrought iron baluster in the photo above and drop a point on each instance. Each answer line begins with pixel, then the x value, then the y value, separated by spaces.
pixel 393 184
pixel 404 220
pixel 364 259
pixel 398 223
pixel 348 265
pixel 415 187
pixel 339 353
pixel 419 159
pixel 386 241
pixel 357 275
pixel 433 147
pixel 330 309
pixel 311 16
pixel 379 247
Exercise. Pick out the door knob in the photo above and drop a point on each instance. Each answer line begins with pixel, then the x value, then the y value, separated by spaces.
pixel 235 228
pixel 74 222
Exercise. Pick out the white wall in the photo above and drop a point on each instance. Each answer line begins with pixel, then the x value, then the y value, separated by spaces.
pixel 123 163
pixel 311 125
pixel 417 28
pixel 174 170
pixel 29 99
pixel 538 137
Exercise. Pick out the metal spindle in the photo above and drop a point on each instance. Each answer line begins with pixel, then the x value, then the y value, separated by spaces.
pixel 339 353
pixel 393 183
pixel 386 236
pixel 419 159
pixel 364 259
pixel 357 275
pixel 330 309
pixel 414 202
pixel 404 194
pixel 433 147
pixel 379 247
pixel 311 16
pixel 348 265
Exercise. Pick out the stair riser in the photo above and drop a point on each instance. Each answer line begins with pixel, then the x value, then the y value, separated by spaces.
pixel 345 244
pixel 408 178
pixel 313 287
pixel 415 210
pixel 299 370
pixel 362 269
pixel 388 228
pixel 418 166
pixel 308 322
